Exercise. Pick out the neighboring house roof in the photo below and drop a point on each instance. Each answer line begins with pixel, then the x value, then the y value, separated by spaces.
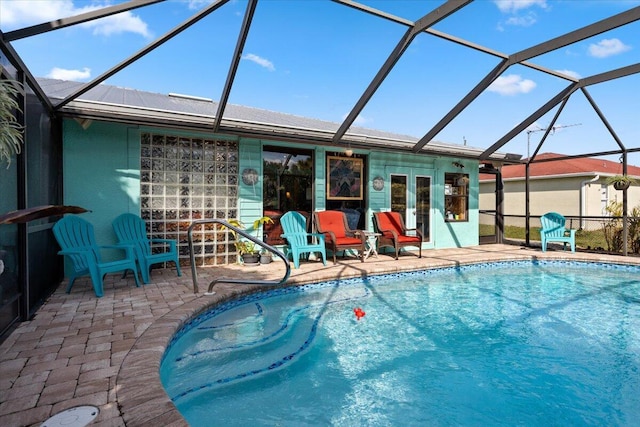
pixel 566 167
pixel 112 103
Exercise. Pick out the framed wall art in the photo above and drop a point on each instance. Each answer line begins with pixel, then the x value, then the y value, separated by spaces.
pixel 344 178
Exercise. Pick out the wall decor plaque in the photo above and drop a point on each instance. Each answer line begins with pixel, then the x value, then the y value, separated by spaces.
pixel 249 176
pixel 378 183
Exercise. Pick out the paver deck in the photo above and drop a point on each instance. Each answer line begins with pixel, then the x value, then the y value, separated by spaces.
pixel 106 352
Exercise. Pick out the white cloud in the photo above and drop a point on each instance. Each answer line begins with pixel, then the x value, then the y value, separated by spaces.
pixel 260 61
pixel 360 120
pixel 522 21
pixel 23 13
pixel 124 22
pixel 511 85
pixel 570 73
pixel 513 6
pixel 534 127
pixel 199 4
pixel 607 47
pixel 74 75
pixel 15 14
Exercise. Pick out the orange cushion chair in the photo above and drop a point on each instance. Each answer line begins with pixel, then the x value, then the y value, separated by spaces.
pixel 393 232
pixel 337 235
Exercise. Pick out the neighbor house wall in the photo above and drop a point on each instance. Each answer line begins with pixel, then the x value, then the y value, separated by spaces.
pixel 570 195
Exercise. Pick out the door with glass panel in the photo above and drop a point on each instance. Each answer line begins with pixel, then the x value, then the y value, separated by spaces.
pixel 411 197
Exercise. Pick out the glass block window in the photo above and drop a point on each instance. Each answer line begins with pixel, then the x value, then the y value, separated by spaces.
pixel 185 179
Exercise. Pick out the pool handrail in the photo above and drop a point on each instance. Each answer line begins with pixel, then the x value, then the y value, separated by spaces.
pixel 243 233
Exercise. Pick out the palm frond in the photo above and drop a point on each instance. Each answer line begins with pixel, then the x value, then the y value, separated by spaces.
pixel 11 131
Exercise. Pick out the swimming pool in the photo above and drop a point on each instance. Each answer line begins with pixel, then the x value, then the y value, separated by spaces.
pixel 511 343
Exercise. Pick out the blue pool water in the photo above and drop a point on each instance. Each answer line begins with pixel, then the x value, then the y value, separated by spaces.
pixel 511 344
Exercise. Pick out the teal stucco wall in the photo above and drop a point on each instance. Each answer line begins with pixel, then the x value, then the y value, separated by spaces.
pixel 102 172
pixel 443 234
pixel 455 234
pixel 250 196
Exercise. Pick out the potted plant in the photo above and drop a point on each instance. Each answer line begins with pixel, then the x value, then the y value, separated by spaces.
pixel 248 253
pixel 621 182
pixel 265 257
pixel 246 248
pixel 11 135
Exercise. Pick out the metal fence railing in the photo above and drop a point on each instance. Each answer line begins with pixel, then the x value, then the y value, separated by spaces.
pixel 593 233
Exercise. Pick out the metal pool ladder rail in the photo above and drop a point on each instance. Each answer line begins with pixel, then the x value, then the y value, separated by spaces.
pixel 246 235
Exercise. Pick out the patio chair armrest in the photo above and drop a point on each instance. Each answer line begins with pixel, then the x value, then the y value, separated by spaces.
pixel 320 236
pixel 417 230
pixel 332 236
pixel 170 242
pixel 128 248
pixel 74 251
pixel 386 232
pixel 361 235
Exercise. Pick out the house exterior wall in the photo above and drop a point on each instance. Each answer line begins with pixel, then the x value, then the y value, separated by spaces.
pixel 102 173
pixel 250 196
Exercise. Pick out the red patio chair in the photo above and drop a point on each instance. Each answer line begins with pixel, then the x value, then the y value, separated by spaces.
pixel 337 235
pixel 393 232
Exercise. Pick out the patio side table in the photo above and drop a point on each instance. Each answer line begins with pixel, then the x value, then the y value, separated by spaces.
pixel 372 242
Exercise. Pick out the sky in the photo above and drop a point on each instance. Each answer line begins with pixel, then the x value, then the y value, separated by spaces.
pixel 315 58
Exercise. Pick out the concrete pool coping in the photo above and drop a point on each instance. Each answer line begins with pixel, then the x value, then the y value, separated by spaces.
pixel 81 350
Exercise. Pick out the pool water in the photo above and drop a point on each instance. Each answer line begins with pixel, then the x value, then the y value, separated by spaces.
pixel 518 343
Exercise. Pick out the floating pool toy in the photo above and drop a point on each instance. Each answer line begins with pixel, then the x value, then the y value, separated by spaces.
pixel 359 313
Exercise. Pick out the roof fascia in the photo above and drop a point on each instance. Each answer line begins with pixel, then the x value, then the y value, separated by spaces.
pixel 201 123
pixel 235 61
pixel 78 19
pixel 158 42
pixel 420 25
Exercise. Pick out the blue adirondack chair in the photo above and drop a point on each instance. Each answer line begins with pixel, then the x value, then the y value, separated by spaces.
pixel 131 230
pixel 554 230
pixel 294 225
pixel 78 244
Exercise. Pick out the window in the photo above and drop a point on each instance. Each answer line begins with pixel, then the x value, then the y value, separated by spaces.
pixel 456 197
pixel 287 186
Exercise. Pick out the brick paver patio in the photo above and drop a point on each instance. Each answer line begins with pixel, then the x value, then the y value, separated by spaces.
pixel 106 352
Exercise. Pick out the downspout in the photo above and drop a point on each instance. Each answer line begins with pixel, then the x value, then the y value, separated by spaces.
pixel 583 198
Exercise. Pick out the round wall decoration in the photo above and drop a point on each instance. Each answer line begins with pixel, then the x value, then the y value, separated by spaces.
pixel 378 183
pixel 250 176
